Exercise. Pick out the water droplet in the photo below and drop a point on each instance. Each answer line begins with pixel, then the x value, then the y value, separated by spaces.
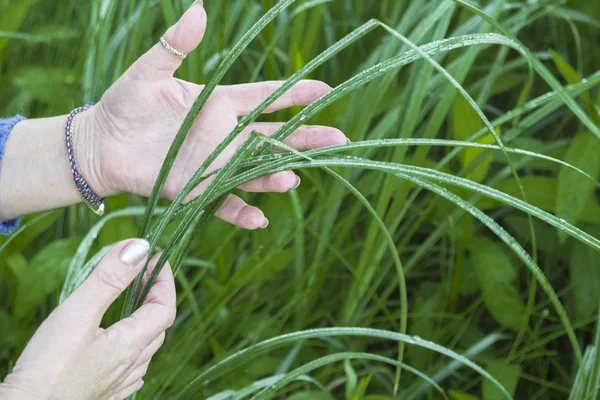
pixel 545 313
pixel 417 338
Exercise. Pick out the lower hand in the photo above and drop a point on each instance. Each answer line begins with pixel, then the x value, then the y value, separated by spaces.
pixel 71 358
pixel 128 133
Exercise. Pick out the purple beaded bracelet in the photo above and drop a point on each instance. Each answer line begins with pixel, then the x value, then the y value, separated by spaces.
pixel 91 199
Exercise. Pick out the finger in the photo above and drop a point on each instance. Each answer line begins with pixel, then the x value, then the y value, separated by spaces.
pixel 136 376
pixel 280 182
pixel 306 137
pixel 185 36
pixel 247 97
pixel 125 393
pixel 150 351
pixel 155 315
pixel 108 280
pixel 235 211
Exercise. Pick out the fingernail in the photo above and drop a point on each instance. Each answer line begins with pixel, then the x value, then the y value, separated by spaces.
pixel 298 183
pixel 266 224
pixel 139 386
pixel 197 2
pixel 134 252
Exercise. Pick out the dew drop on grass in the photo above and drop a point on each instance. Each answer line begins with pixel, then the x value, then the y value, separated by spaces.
pixel 417 338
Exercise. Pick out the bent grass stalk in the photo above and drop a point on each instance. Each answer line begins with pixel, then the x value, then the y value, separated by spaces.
pixel 256 350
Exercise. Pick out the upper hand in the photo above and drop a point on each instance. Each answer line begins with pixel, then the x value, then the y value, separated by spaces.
pixel 138 117
pixel 71 358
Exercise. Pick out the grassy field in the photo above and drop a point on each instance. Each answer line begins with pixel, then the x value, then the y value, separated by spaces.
pixel 460 229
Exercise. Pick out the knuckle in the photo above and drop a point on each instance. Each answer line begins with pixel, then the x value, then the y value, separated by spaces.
pixel 112 278
pixel 145 369
pixel 161 339
pixel 171 315
pixel 220 94
pixel 169 191
pixel 133 355
pixel 277 181
pixel 117 334
pixel 243 217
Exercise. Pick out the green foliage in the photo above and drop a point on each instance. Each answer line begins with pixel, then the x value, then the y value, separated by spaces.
pixel 584 274
pixel 497 274
pixel 311 396
pixel 463 168
pixel 573 192
pixel 508 375
pixel 49 267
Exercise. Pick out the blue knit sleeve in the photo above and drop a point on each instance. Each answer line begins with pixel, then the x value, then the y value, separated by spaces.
pixel 6 126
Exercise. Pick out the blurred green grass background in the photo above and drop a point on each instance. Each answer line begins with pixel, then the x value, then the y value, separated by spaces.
pixel 323 262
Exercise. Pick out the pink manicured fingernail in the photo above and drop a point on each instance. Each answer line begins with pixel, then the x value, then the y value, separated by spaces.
pixel 266 224
pixel 135 252
pixel 298 183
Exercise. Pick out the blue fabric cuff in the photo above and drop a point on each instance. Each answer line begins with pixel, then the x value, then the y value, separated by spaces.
pixel 6 126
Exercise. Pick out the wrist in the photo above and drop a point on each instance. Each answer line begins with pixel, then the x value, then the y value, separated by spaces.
pixel 89 149
pixel 35 173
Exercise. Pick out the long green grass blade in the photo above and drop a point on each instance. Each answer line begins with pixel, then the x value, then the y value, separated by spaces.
pixel 254 351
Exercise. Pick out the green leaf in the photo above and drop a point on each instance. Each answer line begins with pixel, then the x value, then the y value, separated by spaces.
pixel 45 273
pixel 508 375
pixel 456 395
pixel 574 192
pixel 584 271
pixel 49 85
pixel 351 379
pixel 8 331
pixel 11 19
pixel 360 391
pixel 496 275
pixel 29 229
pixel 466 122
pixel 314 395
pixel 547 239
pixel 571 76
pixel 542 193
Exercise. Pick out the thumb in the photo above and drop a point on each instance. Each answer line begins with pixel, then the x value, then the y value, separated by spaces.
pixel 185 36
pixel 109 279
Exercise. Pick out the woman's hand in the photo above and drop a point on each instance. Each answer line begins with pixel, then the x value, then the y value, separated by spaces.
pixel 71 358
pixel 122 142
pixel 129 132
